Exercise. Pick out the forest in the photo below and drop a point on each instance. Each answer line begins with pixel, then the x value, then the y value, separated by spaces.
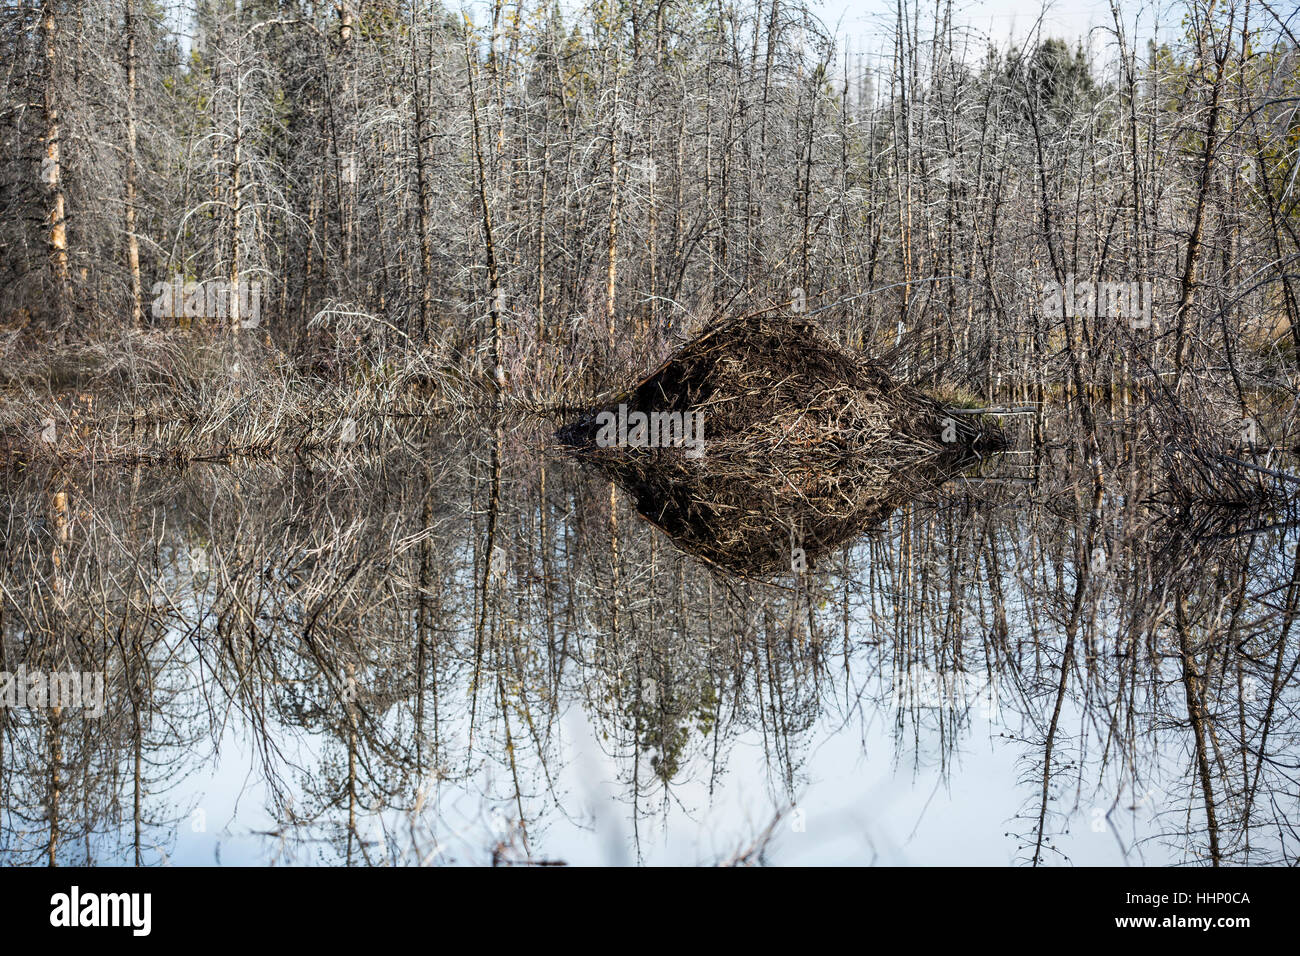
pixel 308 310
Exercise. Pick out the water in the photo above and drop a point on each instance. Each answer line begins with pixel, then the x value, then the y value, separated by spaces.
pixel 451 642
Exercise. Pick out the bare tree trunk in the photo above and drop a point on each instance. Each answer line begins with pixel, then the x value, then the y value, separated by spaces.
pixel 611 249
pixel 52 171
pixel 1193 690
pixel 1187 287
pixel 129 212
pixel 422 187
pixel 494 280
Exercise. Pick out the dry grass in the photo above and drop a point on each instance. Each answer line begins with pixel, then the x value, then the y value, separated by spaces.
pixel 176 396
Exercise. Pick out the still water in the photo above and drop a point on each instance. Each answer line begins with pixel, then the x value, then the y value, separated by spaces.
pixel 454 642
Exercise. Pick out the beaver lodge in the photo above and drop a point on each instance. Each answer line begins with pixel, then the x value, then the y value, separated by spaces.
pixel 800 444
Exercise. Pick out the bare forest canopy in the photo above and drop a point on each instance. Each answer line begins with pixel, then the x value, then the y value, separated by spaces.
pixel 561 195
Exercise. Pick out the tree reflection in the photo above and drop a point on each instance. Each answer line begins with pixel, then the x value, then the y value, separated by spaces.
pixel 431 641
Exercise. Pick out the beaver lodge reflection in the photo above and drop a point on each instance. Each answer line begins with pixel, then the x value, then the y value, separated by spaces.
pixel 804 445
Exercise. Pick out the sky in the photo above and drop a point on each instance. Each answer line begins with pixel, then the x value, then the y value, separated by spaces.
pixel 867 25
pixel 1000 19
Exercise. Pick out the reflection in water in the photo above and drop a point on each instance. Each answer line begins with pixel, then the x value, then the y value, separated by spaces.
pixel 445 645
pixel 774 519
